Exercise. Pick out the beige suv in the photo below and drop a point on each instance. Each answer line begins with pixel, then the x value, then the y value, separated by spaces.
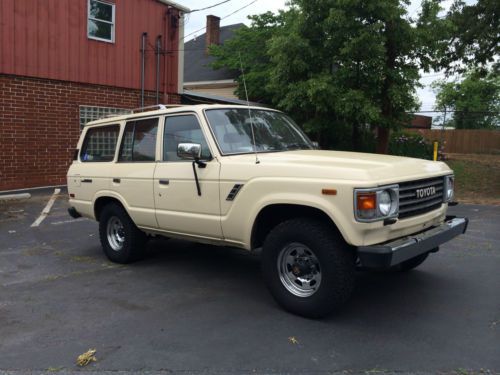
pixel 248 177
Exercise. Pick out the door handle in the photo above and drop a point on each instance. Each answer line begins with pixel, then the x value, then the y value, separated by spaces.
pixel 116 180
pixel 164 182
pixel 87 180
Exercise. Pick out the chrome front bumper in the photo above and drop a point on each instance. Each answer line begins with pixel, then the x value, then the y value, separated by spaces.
pixel 391 253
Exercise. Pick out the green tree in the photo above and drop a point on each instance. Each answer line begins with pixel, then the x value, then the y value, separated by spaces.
pixel 472 37
pixel 350 61
pixel 248 49
pixel 475 100
pixel 338 67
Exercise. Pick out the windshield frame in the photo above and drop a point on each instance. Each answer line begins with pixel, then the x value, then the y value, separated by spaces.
pixel 294 126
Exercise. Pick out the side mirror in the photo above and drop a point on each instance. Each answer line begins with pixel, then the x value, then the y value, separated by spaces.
pixel 189 151
pixel 315 145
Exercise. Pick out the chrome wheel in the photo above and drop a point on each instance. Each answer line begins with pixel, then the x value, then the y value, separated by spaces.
pixel 115 233
pixel 299 270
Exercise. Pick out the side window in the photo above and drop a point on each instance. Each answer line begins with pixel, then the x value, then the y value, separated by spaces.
pixel 183 129
pixel 139 141
pixel 100 144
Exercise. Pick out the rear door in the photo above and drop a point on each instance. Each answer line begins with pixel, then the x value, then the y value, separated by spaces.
pixel 132 175
pixel 179 208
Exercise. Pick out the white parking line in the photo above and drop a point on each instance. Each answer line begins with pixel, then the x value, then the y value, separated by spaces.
pixel 68 221
pixel 47 208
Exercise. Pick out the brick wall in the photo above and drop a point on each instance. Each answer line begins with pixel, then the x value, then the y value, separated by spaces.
pixel 39 126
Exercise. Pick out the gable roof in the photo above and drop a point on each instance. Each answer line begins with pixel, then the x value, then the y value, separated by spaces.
pixel 197 64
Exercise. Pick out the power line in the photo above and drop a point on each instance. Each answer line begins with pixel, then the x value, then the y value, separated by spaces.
pixel 194 32
pixel 223 18
pixel 211 6
pixel 432 75
pixel 237 10
pixel 469 112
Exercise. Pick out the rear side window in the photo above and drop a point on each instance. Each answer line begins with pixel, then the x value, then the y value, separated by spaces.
pixel 100 144
pixel 139 141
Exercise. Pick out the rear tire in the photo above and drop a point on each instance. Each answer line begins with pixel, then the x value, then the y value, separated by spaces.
pixel 308 268
pixel 121 240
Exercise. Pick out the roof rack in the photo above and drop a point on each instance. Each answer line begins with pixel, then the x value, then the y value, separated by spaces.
pixel 155 107
pixel 121 113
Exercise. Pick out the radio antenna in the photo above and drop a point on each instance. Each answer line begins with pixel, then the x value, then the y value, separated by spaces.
pixel 257 161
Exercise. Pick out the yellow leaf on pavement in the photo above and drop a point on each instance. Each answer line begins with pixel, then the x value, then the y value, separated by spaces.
pixel 87 357
pixel 293 340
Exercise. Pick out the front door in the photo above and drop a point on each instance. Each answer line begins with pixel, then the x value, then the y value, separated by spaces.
pixel 179 208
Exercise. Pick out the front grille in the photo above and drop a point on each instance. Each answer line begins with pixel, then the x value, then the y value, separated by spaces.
pixel 412 205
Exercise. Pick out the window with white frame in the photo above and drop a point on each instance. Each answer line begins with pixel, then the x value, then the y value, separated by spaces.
pixel 101 21
pixel 88 114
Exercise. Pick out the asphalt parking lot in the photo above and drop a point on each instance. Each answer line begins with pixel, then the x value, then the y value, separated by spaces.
pixel 191 308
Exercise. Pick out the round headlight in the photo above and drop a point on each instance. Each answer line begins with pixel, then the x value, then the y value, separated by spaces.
pixel 384 203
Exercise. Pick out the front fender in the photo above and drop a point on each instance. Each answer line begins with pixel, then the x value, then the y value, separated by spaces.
pixel 259 193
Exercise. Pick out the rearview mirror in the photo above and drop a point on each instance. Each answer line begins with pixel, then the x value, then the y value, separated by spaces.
pixel 189 151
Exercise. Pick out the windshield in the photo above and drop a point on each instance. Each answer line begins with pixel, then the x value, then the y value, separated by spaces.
pixel 273 131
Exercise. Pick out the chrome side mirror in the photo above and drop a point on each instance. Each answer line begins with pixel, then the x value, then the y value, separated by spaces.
pixel 189 151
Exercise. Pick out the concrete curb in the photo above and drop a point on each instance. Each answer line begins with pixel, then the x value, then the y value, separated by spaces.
pixel 14 197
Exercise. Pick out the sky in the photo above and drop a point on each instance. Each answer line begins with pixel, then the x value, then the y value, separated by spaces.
pixel 197 20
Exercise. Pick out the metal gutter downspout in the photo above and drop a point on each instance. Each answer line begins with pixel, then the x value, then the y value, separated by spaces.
pixel 143 63
pixel 158 54
pixel 166 47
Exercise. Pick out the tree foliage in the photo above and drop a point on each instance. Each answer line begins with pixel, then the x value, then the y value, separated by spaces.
pixel 347 62
pixel 475 100
pixel 472 37
pixel 343 67
pixel 247 49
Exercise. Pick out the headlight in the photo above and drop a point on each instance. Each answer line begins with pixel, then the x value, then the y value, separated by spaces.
pixel 384 203
pixel 376 204
pixel 449 183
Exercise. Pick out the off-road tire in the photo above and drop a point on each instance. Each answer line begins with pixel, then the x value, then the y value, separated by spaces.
pixel 336 261
pixel 134 240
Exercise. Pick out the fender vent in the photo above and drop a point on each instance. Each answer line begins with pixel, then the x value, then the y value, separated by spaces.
pixel 234 191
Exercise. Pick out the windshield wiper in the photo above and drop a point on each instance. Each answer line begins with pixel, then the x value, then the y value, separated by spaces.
pixel 294 146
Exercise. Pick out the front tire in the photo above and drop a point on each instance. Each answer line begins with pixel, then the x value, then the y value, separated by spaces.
pixel 307 267
pixel 121 240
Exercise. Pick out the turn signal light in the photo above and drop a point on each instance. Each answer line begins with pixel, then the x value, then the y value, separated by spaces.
pixel 367 201
pixel 329 192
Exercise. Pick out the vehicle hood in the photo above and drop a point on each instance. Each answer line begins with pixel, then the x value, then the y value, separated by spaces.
pixel 345 165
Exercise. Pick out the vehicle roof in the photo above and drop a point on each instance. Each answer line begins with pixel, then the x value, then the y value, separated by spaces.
pixel 170 110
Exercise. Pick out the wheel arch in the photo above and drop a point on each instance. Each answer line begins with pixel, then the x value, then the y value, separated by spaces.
pixel 104 199
pixel 273 214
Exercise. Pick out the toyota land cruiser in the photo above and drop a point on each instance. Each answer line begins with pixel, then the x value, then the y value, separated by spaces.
pixel 248 177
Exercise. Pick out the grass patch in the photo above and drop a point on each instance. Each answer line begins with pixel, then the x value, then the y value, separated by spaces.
pixel 477 178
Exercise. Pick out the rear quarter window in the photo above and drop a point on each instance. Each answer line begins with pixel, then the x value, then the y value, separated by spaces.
pixel 99 144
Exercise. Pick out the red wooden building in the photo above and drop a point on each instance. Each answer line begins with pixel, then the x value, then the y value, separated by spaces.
pixel 66 62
